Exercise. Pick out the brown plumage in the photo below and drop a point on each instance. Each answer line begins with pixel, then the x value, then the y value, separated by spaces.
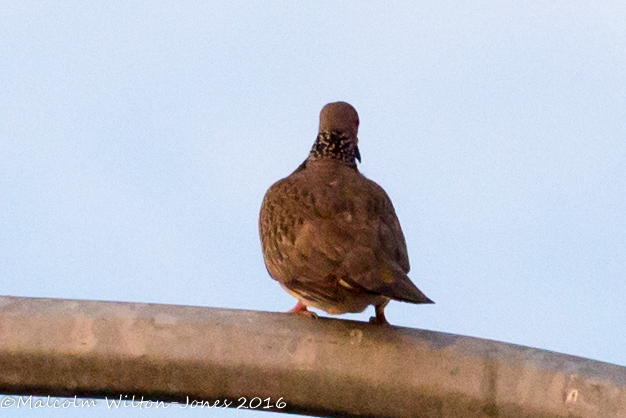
pixel 330 236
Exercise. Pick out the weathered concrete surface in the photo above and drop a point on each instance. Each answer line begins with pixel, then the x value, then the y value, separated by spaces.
pixel 318 367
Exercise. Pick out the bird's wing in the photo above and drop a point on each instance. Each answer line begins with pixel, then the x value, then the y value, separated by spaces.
pixel 378 260
pixel 297 251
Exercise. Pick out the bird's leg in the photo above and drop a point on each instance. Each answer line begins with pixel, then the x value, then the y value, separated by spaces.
pixel 301 309
pixel 380 315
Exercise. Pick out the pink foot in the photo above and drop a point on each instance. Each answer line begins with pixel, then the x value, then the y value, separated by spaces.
pixel 380 316
pixel 301 309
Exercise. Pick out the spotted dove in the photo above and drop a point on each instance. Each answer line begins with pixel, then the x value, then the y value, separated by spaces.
pixel 330 236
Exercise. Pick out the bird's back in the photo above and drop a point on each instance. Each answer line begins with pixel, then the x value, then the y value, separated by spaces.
pixel 333 234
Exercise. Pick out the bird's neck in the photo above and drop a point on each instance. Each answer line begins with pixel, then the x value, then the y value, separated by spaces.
pixel 337 146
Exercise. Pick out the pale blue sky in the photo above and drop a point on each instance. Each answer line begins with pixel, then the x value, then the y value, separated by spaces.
pixel 137 140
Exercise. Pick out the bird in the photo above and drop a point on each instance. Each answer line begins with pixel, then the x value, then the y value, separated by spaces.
pixel 329 235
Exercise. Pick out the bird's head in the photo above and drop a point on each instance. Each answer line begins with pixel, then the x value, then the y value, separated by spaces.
pixel 337 136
